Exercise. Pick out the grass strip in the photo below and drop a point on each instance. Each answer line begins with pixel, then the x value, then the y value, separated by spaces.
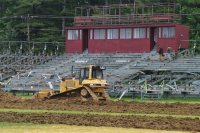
pixel 95 113
pixel 189 100
pixel 163 100
pixel 7 127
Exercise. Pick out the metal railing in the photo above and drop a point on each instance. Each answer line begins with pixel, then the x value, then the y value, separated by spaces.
pixel 126 19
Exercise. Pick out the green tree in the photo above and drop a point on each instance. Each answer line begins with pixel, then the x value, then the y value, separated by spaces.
pixel 40 17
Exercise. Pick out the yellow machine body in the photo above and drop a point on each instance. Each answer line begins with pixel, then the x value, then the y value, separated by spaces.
pixel 89 84
pixel 69 84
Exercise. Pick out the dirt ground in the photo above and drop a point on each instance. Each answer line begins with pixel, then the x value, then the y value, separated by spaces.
pixel 133 107
pixel 158 123
pixel 6 97
pixel 164 123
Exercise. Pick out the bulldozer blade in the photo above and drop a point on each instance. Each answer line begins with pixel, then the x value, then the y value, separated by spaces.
pixel 69 93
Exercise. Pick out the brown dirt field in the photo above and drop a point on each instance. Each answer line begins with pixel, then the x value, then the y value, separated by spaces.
pixel 133 107
pixel 163 123
pixel 6 97
pixel 158 123
pixel 10 101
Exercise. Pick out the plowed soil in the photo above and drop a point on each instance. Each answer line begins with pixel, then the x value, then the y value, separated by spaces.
pixel 6 97
pixel 133 107
pixel 167 123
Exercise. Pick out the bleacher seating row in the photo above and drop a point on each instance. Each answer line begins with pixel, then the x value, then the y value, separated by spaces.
pixel 118 68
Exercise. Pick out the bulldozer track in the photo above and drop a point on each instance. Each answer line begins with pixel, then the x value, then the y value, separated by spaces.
pixel 77 93
pixel 95 98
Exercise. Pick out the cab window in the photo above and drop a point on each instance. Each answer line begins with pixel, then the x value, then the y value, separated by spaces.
pixel 97 73
pixel 84 74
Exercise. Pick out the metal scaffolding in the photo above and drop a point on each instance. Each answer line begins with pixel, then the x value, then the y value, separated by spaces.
pixel 121 14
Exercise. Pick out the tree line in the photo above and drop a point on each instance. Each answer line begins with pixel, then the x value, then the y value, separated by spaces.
pixel 41 21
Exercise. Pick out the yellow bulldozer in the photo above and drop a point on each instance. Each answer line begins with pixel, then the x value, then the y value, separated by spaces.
pixel 89 85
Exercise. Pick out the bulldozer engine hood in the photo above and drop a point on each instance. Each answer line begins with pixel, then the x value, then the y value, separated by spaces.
pixel 95 83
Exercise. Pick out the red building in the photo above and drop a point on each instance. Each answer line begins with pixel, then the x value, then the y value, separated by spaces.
pixel 119 33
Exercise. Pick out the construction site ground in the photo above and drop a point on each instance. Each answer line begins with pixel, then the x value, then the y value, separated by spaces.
pixel 157 116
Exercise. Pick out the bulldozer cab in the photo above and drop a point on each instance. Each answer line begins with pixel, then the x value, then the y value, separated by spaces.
pixel 91 72
pixel 97 72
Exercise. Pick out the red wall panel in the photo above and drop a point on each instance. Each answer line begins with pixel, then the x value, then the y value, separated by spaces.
pixel 119 46
pixel 73 46
pixel 167 42
pixel 182 36
pixel 132 45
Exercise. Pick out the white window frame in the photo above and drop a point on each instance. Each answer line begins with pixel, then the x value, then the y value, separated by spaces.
pixel 139 33
pixel 99 34
pixel 72 34
pixel 91 34
pixel 125 33
pixel 160 30
pixel 168 32
pixel 81 32
pixel 112 33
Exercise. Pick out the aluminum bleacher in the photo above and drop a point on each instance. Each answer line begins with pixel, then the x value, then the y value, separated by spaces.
pixel 131 69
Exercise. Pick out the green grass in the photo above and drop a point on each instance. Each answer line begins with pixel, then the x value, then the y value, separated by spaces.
pixel 9 124
pixel 162 100
pixel 137 99
pixel 7 127
pixel 95 113
pixel 24 95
